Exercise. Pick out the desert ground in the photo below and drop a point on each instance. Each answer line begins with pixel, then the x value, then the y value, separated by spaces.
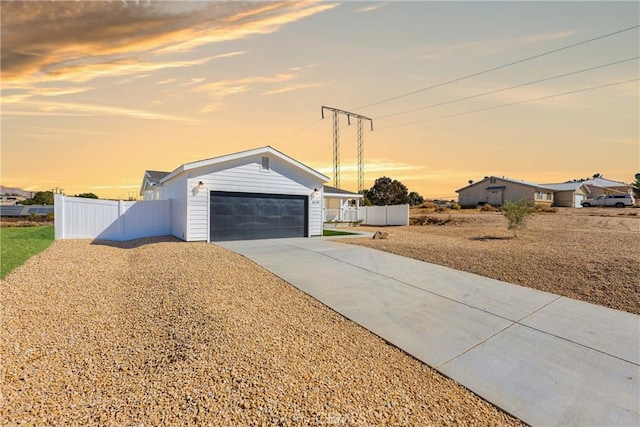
pixel 588 254
pixel 162 332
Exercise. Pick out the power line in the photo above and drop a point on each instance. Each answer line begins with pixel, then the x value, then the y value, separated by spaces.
pixel 498 67
pixel 508 88
pixel 510 104
pixel 298 131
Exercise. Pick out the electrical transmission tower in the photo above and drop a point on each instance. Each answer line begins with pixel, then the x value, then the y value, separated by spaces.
pixel 336 144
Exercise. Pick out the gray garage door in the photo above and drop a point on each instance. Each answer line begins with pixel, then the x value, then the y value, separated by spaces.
pixel 244 216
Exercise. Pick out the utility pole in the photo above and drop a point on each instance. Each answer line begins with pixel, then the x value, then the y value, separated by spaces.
pixel 336 144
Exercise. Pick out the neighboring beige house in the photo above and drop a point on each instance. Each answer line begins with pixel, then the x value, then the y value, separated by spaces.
pixel 495 191
pixel 598 186
pixel 569 194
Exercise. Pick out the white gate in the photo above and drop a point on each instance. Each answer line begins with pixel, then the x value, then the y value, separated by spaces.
pixel 80 218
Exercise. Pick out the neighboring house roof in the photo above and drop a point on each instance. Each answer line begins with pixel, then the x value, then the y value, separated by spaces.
pixel 239 155
pixel 151 178
pixel 154 177
pixel 568 186
pixel 604 183
pixel 337 192
pixel 515 181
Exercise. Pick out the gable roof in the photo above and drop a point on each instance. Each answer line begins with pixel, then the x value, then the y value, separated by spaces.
pixel 515 181
pixel 332 191
pixel 605 183
pixel 227 157
pixel 568 186
pixel 154 177
pixel 150 179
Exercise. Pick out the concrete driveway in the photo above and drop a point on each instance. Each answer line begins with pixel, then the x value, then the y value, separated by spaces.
pixel 546 359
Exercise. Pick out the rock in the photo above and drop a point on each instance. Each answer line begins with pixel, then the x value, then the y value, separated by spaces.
pixel 380 235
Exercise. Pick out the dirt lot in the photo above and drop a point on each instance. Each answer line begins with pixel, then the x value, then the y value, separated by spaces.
pixel 160 332
pixel 587 254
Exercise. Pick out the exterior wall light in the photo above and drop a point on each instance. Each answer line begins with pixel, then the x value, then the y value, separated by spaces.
pixel 316 192
pixel 201 185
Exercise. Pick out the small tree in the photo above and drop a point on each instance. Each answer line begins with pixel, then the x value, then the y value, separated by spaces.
pixel 635 186
pixel 517 214
pixel 387 191
pixel 87 195
pixel 40 198
pixel 415 198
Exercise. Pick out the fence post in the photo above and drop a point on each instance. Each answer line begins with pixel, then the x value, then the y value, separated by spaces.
pixel 58 216
pixel 120 220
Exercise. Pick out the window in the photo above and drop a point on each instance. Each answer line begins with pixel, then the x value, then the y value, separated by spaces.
pixel 265 163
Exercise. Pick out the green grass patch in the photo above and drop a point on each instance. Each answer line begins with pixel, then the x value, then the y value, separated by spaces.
pixel 18 244
pixel 336 233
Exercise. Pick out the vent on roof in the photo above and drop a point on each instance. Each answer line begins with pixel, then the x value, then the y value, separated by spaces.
pixel 265 163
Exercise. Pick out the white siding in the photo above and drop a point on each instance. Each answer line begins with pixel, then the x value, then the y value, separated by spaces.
pixel 244 175
pixel 176 191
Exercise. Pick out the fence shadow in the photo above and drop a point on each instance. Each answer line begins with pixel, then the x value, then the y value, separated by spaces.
pixel 136 243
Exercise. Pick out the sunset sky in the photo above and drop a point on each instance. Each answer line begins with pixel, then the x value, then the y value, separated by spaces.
pixel 95 93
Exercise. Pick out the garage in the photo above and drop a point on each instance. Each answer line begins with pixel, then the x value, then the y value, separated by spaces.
pixel 244 216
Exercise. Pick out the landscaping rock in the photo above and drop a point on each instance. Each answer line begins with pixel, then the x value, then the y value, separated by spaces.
pixel 161 332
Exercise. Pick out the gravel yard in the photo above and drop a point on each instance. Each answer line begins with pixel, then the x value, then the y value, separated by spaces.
pixel 160 332
pixel 587 254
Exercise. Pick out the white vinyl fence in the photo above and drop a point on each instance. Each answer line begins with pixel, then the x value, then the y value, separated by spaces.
pixel 384 215
pixel 80 218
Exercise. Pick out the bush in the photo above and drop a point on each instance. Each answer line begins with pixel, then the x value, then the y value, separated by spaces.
pixel 428 205
pixel 456 207
pixel 517 214
pixel 545 209
pixel 488 208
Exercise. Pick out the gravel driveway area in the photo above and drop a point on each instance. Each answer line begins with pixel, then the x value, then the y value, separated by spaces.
pixel 161 332
pixel 587 254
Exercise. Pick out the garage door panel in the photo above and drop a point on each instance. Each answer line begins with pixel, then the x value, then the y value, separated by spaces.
pixel 243 216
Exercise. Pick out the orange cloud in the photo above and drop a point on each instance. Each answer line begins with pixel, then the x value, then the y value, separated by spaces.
pixel 79 41
pixel 37 108
pixel 292 88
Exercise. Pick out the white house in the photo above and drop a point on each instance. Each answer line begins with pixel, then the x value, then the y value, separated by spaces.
pixel 341 205
pixel 254 194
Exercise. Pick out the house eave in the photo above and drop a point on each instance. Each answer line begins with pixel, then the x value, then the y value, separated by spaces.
pixel 234 156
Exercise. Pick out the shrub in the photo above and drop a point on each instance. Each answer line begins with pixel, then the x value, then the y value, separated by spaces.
pixel 545 209
pixel 517 214
pixel 455 206
pixel 428 205
pixel 488 208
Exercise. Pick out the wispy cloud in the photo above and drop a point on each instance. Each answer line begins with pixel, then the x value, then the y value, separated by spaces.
pixel 58 91
pixel 107 187
pixel 221 89
pixel 165 81
pixel 372 8
pixel 292 88
pixel 484 47
pixel 37 108
pixel 80 41
pixel 261 18
pixel 373 166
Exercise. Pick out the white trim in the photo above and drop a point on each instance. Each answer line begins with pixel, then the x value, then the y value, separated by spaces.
pixel 242 154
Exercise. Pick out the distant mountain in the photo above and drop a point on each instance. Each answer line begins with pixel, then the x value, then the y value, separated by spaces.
pixel 18 191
